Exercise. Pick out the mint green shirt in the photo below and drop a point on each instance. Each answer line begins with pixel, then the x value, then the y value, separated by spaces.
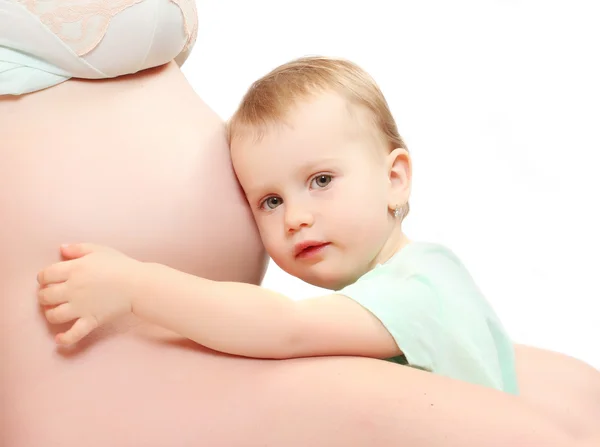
pixel 440 320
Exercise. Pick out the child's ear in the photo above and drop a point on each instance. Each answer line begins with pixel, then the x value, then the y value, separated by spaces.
pixel 400 176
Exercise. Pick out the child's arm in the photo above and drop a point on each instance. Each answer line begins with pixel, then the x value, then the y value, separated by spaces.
pixel 248 320
pixel 98 284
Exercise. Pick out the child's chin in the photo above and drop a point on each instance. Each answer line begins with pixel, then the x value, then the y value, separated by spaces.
pixel 326 280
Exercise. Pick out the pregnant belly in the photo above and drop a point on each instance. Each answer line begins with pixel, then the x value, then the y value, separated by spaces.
pixel 141 164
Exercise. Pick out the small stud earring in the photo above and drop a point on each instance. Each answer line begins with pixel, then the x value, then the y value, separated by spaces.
pixel 397 211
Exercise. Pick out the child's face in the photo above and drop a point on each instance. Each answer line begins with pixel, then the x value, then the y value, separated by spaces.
pixel 324 178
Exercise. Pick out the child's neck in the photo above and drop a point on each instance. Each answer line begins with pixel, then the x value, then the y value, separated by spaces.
pixel 395 243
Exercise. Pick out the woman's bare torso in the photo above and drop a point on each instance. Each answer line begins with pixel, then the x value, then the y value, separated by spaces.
pixel 140 163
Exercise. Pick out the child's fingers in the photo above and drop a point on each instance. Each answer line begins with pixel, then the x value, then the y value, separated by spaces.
pixel 55 273
pixel 52 295
pixel 61 314
pixel 79 330
pixel 73 251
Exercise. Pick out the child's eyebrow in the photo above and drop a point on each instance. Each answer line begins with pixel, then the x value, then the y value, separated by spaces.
pixel 313 165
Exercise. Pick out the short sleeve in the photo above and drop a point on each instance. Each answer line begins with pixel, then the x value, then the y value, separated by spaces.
pixel 433 332
pixel 406 307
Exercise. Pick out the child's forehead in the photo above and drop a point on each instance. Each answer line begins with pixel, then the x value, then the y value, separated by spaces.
pixel 328 110
pixel 286 154
pixel 324 126
pixel 321 121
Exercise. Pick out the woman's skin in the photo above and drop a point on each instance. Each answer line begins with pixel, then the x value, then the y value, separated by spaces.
pixel 562 388
pixel 140 163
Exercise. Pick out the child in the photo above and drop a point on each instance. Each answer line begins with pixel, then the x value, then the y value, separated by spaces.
pixel 319 157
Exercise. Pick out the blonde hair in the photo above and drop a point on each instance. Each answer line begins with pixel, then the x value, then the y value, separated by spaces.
pixel 270 98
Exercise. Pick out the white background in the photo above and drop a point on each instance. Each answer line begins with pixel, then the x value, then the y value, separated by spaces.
pixel 499 103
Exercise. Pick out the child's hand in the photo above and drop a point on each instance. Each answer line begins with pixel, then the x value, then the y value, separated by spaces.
pixel 93 286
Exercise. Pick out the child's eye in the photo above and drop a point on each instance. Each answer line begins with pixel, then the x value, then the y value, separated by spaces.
pixel 321 181
pixel 270 203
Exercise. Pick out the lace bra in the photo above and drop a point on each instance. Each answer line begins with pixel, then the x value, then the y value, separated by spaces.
pixel 46 42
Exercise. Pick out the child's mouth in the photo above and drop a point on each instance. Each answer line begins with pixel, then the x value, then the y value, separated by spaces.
pixel 311 250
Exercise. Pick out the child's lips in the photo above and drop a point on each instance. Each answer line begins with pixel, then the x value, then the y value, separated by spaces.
pixel 308 249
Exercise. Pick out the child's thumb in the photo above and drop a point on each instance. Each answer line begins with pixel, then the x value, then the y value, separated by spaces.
pixel 73 251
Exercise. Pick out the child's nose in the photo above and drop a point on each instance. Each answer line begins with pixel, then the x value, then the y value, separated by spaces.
pixel 297 217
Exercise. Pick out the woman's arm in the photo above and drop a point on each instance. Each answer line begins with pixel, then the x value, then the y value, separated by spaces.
pixel 343 401
pixel 357 402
